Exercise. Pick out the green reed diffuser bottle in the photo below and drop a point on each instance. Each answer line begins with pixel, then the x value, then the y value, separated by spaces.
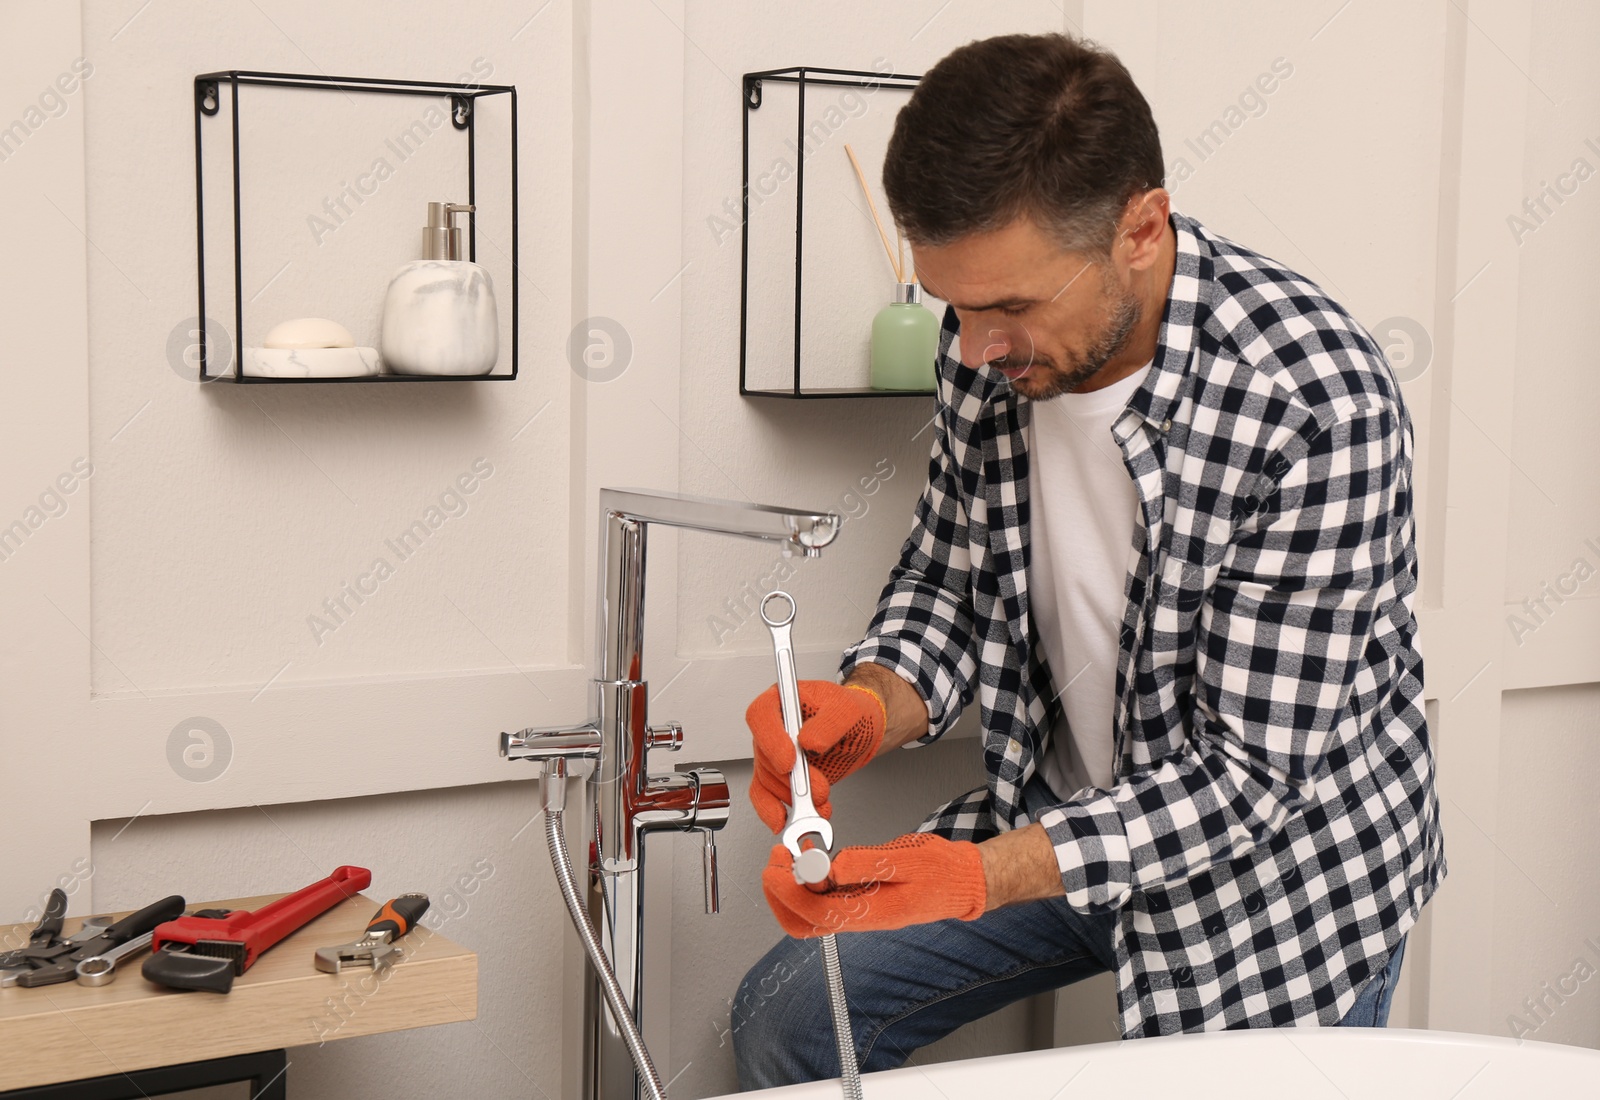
pixel 905 334
pixel 905 342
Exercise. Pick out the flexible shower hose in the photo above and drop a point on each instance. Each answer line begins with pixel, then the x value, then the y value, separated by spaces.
pixel 555 808
pixel 555 801
pixel 849 1071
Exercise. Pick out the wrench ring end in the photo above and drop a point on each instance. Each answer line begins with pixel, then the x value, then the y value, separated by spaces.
pixel 772 621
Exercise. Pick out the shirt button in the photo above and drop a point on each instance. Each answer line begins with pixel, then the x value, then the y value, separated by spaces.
pixel 1166 425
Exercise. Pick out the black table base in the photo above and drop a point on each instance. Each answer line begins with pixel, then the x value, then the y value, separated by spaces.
pixel 266 1072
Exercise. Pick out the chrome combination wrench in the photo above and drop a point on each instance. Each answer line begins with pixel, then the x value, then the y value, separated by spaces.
pixel 101 969
pixel 810 864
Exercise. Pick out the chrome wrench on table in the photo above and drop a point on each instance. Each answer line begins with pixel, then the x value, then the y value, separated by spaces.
pixel 811 864
pixel 101 969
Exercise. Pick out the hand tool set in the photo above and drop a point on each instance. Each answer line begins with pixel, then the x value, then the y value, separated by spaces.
pixel 208 948
pixel 808 835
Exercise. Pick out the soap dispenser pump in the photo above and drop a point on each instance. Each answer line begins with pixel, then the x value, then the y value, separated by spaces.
pixel 439 315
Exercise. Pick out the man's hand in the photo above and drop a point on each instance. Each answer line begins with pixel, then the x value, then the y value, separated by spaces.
pixel 841 729
pixel 913 880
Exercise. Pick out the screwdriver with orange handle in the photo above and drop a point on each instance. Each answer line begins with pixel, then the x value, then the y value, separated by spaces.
pixel 376 948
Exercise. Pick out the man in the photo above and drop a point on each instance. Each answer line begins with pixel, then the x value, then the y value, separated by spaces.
pixel 1167 542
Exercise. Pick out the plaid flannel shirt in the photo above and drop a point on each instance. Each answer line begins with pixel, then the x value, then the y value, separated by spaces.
pixel 1272 829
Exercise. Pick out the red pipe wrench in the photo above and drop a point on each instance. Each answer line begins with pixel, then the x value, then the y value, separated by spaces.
pixel 207 949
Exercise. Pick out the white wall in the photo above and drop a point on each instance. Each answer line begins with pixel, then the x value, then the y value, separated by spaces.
pixel 202 501
pixel 1546 913
pixel 1546 928
pixel 177 582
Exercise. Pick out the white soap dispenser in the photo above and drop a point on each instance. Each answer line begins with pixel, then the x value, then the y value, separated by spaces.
pixel 439 314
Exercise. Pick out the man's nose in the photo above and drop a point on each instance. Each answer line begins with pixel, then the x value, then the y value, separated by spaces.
pixel 982 343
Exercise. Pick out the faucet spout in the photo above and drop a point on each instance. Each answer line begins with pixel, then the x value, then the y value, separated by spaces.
pixel 799 531
pixel 626 514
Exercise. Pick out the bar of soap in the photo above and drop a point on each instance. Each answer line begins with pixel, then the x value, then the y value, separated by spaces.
pixel 309 332
pixel 311 362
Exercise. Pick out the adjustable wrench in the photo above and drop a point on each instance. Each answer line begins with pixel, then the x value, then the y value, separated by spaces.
pixel 376 947
pixel 810 864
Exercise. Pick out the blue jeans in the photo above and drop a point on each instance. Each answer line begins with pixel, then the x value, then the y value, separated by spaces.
pixel 911 986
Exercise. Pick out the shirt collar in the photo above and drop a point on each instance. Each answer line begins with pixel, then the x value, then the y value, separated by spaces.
pixel 1181 319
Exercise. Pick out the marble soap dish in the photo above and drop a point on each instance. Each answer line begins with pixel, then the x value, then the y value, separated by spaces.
pixel 310 347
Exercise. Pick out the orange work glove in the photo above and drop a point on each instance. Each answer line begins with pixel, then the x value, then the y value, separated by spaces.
pixel 840 730
pixel 917 879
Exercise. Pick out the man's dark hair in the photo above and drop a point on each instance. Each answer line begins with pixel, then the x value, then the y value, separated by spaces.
pixel 1044 126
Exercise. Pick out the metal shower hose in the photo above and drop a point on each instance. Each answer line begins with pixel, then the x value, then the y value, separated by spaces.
pixel 849 1071
pixel 555 801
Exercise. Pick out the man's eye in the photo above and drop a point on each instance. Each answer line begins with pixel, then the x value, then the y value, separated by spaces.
pixel 1013 311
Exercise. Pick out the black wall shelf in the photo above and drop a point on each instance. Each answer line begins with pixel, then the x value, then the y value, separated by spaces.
pixel 752 88
pixel 217 97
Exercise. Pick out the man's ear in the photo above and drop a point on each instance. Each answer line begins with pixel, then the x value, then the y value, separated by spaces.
pixel 1140 229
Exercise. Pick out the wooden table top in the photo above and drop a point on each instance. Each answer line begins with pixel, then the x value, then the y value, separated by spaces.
pixel 69 1031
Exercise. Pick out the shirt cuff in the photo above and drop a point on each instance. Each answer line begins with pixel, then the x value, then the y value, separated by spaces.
pixel 1092 853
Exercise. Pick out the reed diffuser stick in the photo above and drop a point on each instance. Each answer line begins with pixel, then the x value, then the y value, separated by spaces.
pixel 873 206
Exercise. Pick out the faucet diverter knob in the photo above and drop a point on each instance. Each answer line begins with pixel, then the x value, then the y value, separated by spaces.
pixel 668 736
pixel 563 742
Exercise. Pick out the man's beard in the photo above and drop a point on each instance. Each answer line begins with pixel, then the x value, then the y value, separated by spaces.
pixel 1052 381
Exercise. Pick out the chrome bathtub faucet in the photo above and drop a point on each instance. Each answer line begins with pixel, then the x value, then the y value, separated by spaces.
pixel 629 802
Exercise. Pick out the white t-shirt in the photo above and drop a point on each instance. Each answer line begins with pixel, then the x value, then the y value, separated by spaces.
pixel 1082 511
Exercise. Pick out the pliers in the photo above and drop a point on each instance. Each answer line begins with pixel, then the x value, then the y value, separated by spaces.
pixel 45 935
pixel 50 958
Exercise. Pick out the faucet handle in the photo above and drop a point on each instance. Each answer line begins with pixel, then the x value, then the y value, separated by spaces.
pixel 711 799
pixel 708 859
pixel 667 736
